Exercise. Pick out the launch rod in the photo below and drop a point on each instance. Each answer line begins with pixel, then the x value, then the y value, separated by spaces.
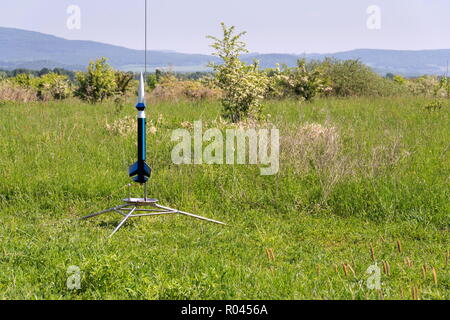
pixel 145 68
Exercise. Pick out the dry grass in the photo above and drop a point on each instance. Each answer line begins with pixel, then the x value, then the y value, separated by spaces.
pixel 318 148
pixel 221 123
pixel 173 90
pixel 12 92
pixel 384 156
pixel 127 126
pixel 312 146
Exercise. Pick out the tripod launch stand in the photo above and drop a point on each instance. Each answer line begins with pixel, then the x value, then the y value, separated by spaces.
pixel 131 207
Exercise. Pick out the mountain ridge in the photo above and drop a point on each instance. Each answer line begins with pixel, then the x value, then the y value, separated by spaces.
pixel 35 50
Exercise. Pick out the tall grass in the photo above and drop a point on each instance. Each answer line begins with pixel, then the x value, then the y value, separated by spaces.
pixel 357 177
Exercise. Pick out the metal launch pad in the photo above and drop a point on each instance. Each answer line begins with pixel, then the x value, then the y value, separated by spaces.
pixel 139 207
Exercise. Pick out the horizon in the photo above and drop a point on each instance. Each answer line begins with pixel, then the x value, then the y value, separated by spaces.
pixel 303 27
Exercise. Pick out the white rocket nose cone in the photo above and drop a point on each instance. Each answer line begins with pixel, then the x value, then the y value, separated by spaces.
pixel 141 96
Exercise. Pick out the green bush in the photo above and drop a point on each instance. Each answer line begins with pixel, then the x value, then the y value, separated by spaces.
pixel 399 79
pixel 98 83
pixel 52 85
pixel 123 80
pixel 351 78
pixel 48 86
pixel 24 80
pixel 332 77
pixel 154 78
pixel 443 89
pixel 305 81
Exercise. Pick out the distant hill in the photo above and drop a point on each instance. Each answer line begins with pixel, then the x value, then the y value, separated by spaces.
pixel 34 50
pixel 20 48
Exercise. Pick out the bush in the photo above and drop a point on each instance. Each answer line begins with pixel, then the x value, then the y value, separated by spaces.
pixel 399 79
pixel 350 77
pixel 425 85
pixel 48 86
pixel 52 85
pixel 243 85
pixel 98 83
pixel 122 81
pixel 24 80
pixel 152 81
pixel 443 88
pixel 353 78
pixel 154 78
pixel 332 77
pixel 304 81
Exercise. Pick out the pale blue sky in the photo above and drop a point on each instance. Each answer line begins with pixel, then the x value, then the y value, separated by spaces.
pixel 285 26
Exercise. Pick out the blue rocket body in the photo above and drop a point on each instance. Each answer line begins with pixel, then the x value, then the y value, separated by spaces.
pixel 140 171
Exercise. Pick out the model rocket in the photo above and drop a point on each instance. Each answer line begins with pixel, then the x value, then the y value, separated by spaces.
pixel 140 171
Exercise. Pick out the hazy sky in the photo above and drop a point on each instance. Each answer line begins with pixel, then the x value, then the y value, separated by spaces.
pixel 285 26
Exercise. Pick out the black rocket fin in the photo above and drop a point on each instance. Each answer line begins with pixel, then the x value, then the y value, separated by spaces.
pixel 133 170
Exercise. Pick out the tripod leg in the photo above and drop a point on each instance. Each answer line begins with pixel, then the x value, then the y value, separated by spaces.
pixel 190 215
pixel 122 222
pixel 104 211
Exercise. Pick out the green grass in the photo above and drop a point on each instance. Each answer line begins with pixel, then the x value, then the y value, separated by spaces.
pixel 58 162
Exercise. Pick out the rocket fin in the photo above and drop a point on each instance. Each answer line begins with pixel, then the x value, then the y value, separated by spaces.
pixel 133 170
pixel 140 179
pixel 147 170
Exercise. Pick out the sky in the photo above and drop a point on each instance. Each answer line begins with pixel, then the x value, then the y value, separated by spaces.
pixel 281 26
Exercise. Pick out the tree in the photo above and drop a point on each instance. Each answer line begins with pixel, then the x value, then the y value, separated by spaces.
pixel 243 85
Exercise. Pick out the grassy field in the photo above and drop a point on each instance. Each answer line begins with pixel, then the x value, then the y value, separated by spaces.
pixel 373 189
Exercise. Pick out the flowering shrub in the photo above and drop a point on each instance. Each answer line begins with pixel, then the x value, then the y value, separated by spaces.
pixel 48 86
pixel 243 85
pixel 425 85
pixel 302 81
pixel 52 85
